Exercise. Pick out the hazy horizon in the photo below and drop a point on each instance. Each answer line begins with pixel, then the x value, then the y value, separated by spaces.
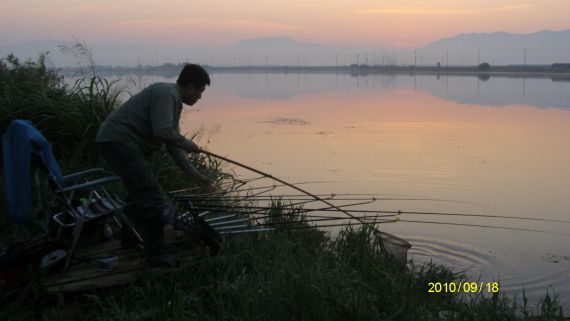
pixel 173 30
pixel 499 48
pixel 219 24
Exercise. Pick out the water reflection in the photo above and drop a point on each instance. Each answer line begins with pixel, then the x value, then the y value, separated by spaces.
pixel 478 90
pixel 494 91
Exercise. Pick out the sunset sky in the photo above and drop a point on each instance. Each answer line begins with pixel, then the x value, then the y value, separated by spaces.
pixel 386 23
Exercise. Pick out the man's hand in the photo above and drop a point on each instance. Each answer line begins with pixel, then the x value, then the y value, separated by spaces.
pixel 205 183
pixel 191 147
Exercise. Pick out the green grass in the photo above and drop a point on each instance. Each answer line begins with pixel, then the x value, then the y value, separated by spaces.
pixel 68 117
pixel 288 275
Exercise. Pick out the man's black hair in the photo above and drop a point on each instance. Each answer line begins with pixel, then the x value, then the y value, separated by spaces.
pixel 193 74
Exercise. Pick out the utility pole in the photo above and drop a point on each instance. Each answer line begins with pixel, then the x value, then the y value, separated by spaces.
pixel 524 54
pixel 415 58
pixel 478 57
pixel 447 58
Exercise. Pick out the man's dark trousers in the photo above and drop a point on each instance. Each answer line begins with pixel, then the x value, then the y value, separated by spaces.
pixel 144 191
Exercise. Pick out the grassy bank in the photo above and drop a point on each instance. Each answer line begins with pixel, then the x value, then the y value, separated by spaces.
pixel 287 275
pixel 295 275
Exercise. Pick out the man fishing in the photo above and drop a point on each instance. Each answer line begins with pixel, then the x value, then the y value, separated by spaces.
pixel 135 130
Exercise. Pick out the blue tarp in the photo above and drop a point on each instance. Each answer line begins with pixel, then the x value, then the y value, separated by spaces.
pixel 19 142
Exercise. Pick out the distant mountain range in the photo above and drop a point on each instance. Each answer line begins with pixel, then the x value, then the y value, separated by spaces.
pixel 504 41
pixel 502 48
pixel 543 47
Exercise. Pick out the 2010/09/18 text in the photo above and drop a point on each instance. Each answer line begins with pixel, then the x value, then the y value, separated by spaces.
pixel 463 287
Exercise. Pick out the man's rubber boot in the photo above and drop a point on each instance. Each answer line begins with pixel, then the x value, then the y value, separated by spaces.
pixel 203 233
pixel 151 228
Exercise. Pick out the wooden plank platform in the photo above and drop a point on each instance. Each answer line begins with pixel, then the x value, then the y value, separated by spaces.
pixel 84 275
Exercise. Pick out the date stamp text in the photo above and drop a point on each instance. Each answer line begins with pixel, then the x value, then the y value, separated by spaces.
pixel 463 287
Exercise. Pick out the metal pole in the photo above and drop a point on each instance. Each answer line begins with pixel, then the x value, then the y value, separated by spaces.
pixel 415 58
pixel 478 57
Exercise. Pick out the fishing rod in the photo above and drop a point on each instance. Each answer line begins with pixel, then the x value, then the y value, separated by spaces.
pixel 399 212
pixel 285 201
pixel 354 195
pixel 224 224
pixel 234 182
pixel 282 182
pixel 256 218
pixel 259 210
pixel 340 197
pixel 267 197
pixel 485 216
pixel 379 220
pixel 253 229
pixel 396 212
pixel 231 210
pixel 253 209
pixel 285 205
pixel 484 226
pixel 221 195
pixel 184 215
pixel 290 206
pixel 312 219
pixel 248 189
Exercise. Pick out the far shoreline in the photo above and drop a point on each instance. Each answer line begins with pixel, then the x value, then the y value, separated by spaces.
pixel 561 73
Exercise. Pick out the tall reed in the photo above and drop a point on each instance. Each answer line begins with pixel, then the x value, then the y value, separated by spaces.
pixel 70 116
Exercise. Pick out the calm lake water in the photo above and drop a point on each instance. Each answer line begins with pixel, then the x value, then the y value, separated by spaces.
pixel 498 146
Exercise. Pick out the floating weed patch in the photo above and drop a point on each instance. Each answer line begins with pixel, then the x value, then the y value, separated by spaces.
pixel 287 121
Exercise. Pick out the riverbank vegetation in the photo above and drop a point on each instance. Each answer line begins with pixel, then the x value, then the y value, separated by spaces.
pixel 305 274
